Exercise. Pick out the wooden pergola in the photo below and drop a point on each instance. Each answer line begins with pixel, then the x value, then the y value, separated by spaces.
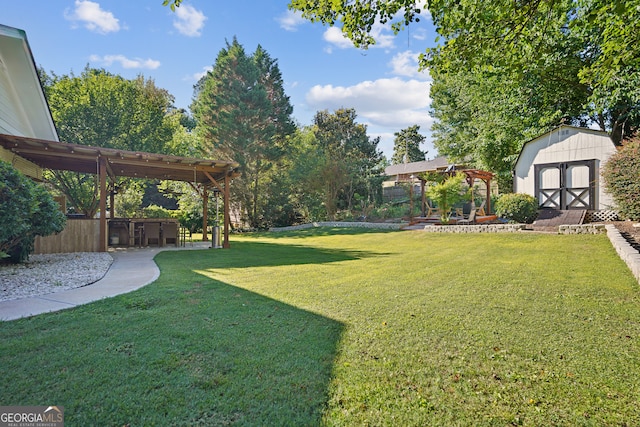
pixel 471 176
pixel 112 163
pixel 484 176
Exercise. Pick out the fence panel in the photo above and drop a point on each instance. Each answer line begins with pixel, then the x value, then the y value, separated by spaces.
pixel 79 235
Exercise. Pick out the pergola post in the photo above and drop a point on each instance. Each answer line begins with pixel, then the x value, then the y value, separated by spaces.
pixel 102 172
pixel 488 184
pixel 112 198
pixel 424 197
pixel 205 214
pixel 227 217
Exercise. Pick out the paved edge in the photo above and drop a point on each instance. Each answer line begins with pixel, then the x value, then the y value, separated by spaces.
pixel 624 249
pixel 129 271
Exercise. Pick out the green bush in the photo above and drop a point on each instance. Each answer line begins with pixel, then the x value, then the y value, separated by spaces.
pixel 449 193
pixel 155 211
pixel 387 211
pixel 622 179
pixel 517 207
pixel 27 210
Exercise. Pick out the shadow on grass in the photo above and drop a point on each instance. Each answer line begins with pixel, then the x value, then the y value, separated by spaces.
pixel 260 254
pixel 325 231
pixel 185 350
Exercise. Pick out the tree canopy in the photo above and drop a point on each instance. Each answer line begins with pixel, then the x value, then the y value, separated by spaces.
pixel 506 71
pixel 350 161
pixel 101 109
pixel 357 18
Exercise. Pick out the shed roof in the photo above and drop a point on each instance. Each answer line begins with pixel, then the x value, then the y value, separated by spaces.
pixel 558 129
pixel 82 158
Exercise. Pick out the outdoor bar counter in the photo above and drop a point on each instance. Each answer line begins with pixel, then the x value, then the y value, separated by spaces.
pixel 141 232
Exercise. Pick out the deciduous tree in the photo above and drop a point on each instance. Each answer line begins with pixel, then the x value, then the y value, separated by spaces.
pixel 540 63
pixel 351 162
pixel 101 109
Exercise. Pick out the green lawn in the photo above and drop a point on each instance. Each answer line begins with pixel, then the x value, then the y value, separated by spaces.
pixel 348 327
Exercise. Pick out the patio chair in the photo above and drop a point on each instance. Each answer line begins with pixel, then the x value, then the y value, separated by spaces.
pixel 470 220
pixel 151 233
pixel 170 233
pixel 480 210
pixel 431 210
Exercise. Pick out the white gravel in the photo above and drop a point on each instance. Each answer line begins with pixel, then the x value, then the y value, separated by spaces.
pixel 45 274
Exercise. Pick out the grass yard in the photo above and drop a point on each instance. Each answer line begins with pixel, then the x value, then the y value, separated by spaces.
pixel 348 327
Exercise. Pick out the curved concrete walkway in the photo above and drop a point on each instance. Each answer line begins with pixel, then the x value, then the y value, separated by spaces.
pixel 131 269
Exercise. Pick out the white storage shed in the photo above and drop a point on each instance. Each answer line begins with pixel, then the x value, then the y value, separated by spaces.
pixel 562 169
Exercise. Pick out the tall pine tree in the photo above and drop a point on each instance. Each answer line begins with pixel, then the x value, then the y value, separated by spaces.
pixel 243 114
pixel 406 146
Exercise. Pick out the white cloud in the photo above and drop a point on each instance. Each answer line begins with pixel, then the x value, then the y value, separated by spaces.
pixel 334 36
pixel 190 21
pixel 93 17
pixel 386 106
pixel 197 76
pixel 420 34
pixel 406 64
pixel 381 33
pixel 290 20
pixel 136 63
pixel 384 102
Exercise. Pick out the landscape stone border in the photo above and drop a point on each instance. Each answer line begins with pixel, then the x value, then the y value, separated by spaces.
pixel 475 228
pixel 582 229
pixel 624 249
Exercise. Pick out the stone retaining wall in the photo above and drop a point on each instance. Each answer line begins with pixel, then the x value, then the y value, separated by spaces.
pixel 582 229
pixel 624 249
pixel 475 228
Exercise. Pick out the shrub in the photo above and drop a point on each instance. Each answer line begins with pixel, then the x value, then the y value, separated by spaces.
pixel 448 193
pixel 387 211
pixel 517 207
pixel 155 211
pixel 191 218
pixel 621 177
pixel 27 210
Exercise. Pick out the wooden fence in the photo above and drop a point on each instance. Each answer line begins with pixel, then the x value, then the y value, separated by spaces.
pixel 79 235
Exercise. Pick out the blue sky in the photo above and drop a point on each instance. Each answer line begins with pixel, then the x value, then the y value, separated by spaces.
pixel 321 69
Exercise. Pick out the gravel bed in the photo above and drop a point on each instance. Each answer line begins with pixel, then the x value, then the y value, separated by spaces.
pixel 45 274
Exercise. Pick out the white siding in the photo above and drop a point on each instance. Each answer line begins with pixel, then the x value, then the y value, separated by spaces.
pixel 23 107
pixel 9 122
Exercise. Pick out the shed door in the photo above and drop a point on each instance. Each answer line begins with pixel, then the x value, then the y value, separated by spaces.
pixel 566 185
